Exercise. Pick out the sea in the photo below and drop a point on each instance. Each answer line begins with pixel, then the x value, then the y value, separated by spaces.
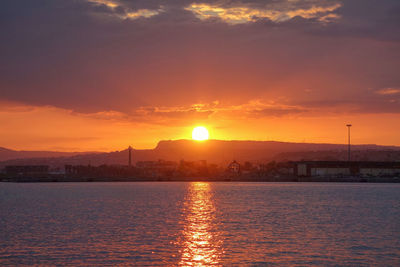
pixel 199 224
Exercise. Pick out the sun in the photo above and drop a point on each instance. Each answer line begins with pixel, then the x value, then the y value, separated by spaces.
pixel 200 133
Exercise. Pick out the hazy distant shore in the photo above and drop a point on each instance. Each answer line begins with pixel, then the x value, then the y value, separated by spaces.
pixel 208 179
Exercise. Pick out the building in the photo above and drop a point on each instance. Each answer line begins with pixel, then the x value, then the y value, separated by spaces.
pixel 234 168
pixel 102 171
pixel 26 170
pixel 156 168
pixel 285 168
pixel 345 168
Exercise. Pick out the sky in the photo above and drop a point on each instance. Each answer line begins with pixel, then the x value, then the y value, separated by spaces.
pixel 99 75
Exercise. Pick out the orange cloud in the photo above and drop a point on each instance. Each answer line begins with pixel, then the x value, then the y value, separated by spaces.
pixel 127 13
pixel 110 4
pixel 277 13
pixel 388 91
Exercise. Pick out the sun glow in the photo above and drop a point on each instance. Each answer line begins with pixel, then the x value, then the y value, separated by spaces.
pixel 200 133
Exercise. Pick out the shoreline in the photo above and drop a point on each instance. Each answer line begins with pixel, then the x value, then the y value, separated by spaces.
pixel 282 179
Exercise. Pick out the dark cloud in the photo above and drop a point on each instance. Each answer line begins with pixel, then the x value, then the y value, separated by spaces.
pixel 370 19
pixel 380 101
pixel 86 57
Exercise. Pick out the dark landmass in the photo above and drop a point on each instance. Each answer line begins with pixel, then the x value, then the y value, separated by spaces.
pixel 161 170
pixel 9 154
pixel 213 151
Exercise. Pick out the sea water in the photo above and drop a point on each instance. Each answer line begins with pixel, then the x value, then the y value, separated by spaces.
pixel 199 224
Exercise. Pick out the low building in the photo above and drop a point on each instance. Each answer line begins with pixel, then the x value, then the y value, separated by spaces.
pixel 156 168
pixel 285 168
pixel 380 169
pixel 234 168
pixel 345 168
pixel 102 171
pixel 26 170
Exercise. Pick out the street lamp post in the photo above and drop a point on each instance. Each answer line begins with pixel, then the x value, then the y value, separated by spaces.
pixel 348 132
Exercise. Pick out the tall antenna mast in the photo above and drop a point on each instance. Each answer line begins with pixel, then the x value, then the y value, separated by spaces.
pixel 130 156
pixel 348 133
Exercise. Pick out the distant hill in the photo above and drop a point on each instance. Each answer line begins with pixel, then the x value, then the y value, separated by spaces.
pixel 219 152
pixel 8 154
pixel 223 151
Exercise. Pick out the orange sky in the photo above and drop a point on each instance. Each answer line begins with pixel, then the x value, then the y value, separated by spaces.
pixel 50 128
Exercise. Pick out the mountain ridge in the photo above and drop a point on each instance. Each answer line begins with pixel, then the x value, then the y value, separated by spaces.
pixel 10 154
pixel 214 151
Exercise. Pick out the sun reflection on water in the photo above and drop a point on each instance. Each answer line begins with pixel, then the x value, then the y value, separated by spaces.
pixel 200 245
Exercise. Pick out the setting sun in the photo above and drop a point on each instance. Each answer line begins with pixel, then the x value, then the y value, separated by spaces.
pixel 200 133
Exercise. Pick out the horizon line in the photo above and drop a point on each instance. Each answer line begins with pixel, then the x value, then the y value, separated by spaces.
pixel 194 141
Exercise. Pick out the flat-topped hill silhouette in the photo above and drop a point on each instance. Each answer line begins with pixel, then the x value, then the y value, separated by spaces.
pixel 219 152
pixel 223 151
